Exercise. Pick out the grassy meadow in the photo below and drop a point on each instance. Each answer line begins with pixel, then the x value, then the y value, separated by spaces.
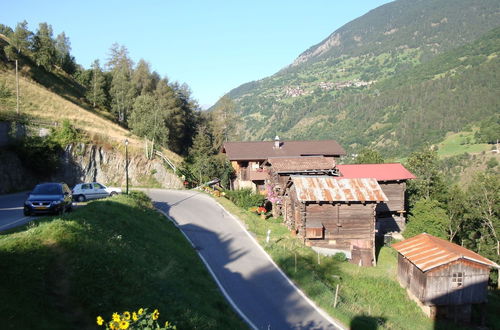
pixel 113 255
pixel 368 298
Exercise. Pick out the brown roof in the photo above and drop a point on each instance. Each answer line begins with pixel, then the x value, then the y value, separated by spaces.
pixel 427 252
pixel 293 164
pixel 265 149
pixel 333 189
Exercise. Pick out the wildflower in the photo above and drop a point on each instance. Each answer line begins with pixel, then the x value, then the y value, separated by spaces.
pixel 123 324
pixel 140 311
pixel 156 314
pixel 116 317
pixel 134 316
pixel 112 325
pixel 167 324
pixel 100 320
pixel 126 315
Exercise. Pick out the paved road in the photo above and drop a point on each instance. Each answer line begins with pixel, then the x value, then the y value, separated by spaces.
pixel 11 211
pixel 254 285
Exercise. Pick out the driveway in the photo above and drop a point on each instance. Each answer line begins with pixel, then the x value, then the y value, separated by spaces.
pixel 251 282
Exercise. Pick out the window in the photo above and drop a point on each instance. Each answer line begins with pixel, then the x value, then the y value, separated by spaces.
pixel 457 280
pixel 85 186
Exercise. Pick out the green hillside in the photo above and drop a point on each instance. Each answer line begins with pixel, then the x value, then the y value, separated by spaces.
pixel 112 255
pixel 402 75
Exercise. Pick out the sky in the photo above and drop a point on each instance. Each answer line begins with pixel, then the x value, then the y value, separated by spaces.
pixel 213 46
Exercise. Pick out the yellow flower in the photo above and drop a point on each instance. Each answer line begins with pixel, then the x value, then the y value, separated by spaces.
pixel 100 320
pixel 123 324
pixel 116 317
pixel 140 311
pixel 134 316
pixel 156 314
pixel 126 315
pixel 112 325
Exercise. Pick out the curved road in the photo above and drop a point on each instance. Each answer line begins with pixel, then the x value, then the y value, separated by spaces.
pixel 11 211
pixel 255 287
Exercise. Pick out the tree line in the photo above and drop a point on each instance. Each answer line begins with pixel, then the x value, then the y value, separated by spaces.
pixel 466 215
pixel 140 99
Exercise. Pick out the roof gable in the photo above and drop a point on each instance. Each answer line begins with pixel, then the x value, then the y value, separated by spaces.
pixel 427 252
pixel 334 189
pixel 381 172
pixel 263 150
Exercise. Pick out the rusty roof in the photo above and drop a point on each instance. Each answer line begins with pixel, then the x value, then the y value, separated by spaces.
pixel 308 163
pixel 263 150
pixel 381 172
pixel 427 252
pixel 334 189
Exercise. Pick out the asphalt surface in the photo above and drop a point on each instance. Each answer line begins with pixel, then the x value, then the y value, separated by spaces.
pixel 251 282
pixel 11 211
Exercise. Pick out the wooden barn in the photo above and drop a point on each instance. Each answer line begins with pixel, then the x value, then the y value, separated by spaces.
pixel 391 215
pixel 281 168
pixel 335 214
pixel 444 278
pixel 247 157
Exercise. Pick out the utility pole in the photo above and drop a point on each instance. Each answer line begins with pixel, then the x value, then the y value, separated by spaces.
pixel 17 90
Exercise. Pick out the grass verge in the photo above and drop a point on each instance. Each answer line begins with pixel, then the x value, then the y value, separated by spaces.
pixel 368 298
pixel 113 255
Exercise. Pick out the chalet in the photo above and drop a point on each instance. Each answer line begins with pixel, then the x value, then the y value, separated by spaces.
pixel 247 157
pixel 333 213
pixel 280 169
pixel 444 278
pixel 392 179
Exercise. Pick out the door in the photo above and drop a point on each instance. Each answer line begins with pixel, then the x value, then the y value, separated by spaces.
pixel 99 190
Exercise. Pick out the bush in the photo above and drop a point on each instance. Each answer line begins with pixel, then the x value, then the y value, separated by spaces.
pixel 245 198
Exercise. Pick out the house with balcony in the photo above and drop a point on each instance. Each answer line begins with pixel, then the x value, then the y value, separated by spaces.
pixel 247 158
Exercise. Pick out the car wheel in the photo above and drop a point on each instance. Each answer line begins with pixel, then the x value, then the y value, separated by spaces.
pixel 26 213
pixel 80 198
pixel 112 194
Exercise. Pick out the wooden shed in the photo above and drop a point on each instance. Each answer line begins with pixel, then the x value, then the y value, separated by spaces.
pixel 444 278
pixel 392 177
pixel 334 213
pixel 281 168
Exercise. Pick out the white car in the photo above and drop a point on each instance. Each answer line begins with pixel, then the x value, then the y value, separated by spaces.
pixel 93 190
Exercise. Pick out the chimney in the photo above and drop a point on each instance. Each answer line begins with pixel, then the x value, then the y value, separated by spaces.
pixel 277 142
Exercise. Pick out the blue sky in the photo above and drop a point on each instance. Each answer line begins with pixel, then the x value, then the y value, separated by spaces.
pixel 213 46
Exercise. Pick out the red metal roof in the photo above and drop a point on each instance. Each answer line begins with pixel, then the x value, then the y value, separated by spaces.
pixel 381 172
pixel 427 252
pixel 263 150
pixel 332 189
pixel 308 163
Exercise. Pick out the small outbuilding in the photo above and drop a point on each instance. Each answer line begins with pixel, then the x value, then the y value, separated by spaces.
pixel 444 278
pixel 335 214
pixel 392 178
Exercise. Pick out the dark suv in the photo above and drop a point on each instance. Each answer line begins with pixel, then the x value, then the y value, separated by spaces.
pixel 49 198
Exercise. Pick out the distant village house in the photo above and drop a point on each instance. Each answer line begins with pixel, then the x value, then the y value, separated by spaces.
pixel 247 157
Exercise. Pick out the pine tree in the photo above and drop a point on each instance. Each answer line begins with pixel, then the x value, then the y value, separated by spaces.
pixel 96 93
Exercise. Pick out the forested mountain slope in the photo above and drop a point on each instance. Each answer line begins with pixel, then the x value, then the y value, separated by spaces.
pixel 401 75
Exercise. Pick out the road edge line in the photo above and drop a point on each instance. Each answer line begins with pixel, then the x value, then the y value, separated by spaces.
pixel 219 284
pixel 312 303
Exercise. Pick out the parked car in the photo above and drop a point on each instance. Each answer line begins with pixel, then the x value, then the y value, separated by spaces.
pixel 93 190
pixel 49 197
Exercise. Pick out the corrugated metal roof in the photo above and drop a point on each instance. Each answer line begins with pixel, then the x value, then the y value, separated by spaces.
pixel 310 163
pixel 332 189
pixel 427 252
pixel 262 150
pixel 381 172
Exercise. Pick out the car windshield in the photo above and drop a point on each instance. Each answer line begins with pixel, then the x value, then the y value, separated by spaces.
pixel 47 189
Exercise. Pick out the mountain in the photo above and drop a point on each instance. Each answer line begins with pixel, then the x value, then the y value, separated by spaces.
pixel 402 75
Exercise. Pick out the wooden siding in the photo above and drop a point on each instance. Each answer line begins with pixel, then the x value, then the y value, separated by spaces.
pixel 395 192
pixel 441 290
pixel 436 287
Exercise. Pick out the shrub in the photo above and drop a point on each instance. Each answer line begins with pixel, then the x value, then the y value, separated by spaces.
pixel 245 198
